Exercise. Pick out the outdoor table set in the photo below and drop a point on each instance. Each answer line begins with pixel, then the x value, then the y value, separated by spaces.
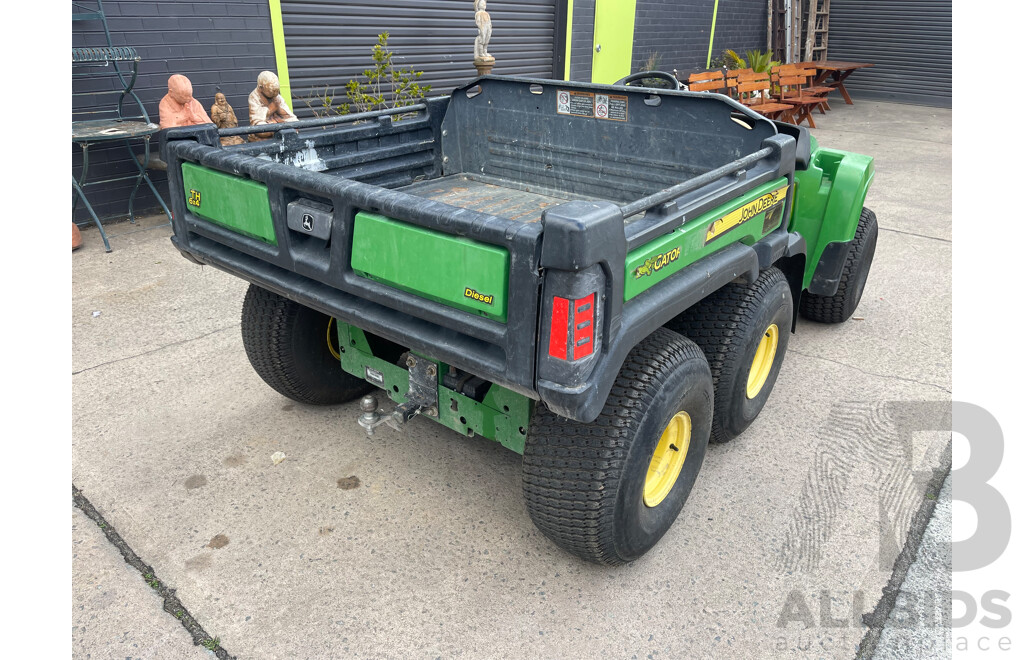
pixel 788 92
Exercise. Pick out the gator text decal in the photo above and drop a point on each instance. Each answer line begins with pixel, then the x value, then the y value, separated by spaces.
pixel 656 263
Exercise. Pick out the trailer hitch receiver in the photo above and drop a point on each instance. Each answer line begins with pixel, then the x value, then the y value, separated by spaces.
pixel 421 399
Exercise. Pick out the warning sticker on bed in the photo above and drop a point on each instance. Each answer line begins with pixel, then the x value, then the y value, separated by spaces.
pixel 577 104
pixel 611 106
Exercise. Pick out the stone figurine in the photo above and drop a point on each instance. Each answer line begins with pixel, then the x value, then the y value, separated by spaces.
pixel 224 117
pixel 482 60
pixel 178 107
pixel 266 106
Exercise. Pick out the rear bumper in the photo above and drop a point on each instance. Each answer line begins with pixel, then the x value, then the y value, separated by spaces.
pixel 583 401
pixel 464 351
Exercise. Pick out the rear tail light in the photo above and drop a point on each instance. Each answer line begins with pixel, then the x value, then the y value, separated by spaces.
pixel 572 328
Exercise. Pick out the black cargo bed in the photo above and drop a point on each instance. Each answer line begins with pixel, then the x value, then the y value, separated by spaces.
pixel 490 195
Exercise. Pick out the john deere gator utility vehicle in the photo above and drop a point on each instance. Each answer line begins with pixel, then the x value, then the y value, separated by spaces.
pixel 602 278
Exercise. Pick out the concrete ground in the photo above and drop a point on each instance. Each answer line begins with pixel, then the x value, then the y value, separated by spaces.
pixel 115 613
pixel 919 624
pixel 789 535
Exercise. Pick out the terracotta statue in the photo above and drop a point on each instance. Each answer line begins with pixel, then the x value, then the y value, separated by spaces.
pixel 224 117
pixel 482 60
pixel 266 105
pixel 178 108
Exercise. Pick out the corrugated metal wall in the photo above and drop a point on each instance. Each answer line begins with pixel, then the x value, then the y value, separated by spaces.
pixel 330 41
pixel 910 42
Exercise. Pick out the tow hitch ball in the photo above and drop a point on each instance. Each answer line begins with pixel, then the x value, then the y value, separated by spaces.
pixel 371 417
pixel 422 399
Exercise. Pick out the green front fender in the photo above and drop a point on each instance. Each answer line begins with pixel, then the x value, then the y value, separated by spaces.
pixel 829 197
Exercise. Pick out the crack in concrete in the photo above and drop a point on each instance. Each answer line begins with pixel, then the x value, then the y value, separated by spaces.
pixel 877 618
pixel 910 233
pixel 871 373
pixel 172 605
pixel 155 350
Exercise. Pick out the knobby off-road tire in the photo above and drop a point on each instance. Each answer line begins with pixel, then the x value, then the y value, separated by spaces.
pixel 840 307
pixel 731 326
pixel 585 484
pixel 287 345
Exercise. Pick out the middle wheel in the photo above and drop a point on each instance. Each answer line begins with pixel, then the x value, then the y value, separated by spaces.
pixel 743 330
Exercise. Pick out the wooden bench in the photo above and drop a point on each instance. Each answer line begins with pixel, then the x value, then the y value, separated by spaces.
pixel 790 81
pixel 753 89
pixel 707 81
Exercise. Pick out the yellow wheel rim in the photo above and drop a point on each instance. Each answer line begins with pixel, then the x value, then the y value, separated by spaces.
pixel 763 360
pixel 668 459
pixel 332 340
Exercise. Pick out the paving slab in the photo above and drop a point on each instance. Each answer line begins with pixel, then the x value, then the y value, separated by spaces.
pixel 418 544
pixel 114 613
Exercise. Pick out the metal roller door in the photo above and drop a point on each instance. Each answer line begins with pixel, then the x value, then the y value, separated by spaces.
pixel 330 41
pixel 910 43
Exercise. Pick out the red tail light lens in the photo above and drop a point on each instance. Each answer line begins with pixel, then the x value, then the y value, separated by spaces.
pixel 572 328
pixel 559 340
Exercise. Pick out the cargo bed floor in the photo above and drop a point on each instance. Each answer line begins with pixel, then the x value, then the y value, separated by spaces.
pixel 485 195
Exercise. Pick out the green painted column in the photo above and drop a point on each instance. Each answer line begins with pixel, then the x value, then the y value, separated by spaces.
pixel 568 42
pixel 613 40
pixel 711 41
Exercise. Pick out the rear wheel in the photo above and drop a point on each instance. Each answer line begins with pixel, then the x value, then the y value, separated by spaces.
pixel 609 490
pixel 294 350
pixel 743 330
pixel 840 307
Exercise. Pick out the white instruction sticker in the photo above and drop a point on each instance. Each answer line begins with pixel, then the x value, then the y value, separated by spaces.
pixel 611 106
pixel 577 104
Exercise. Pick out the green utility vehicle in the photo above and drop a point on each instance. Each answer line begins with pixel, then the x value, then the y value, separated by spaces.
pixel 602 278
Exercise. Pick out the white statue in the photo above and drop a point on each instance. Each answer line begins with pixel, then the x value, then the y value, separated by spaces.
pixel 483 26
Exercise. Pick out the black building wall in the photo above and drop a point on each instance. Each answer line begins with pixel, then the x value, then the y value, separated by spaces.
pixel 220 46
pixel 581 50
pixel 678 30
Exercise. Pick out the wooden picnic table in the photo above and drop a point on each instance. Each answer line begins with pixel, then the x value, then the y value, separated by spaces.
pixel 839 71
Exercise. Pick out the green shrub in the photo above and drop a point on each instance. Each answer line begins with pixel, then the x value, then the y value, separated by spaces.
pixel 386 86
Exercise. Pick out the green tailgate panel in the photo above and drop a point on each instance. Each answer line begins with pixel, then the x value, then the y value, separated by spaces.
pixel 454 271
pixel 230 201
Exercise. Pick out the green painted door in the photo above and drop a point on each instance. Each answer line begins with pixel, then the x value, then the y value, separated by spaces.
pixel 613 40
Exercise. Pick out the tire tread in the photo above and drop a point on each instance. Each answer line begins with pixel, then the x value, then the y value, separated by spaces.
pixel 571 471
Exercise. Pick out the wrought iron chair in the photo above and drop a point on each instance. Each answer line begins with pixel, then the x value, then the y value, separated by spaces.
pixel 98 76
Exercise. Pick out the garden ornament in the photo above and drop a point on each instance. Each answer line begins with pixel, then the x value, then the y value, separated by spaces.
pixel 178 108
pixel 266 106
pixel 224 117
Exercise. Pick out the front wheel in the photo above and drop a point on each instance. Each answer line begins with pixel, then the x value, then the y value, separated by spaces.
pixel 294 350
pixel 840 307
pixel 609 490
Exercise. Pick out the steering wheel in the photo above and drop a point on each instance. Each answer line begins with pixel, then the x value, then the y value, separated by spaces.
pixel 648 79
